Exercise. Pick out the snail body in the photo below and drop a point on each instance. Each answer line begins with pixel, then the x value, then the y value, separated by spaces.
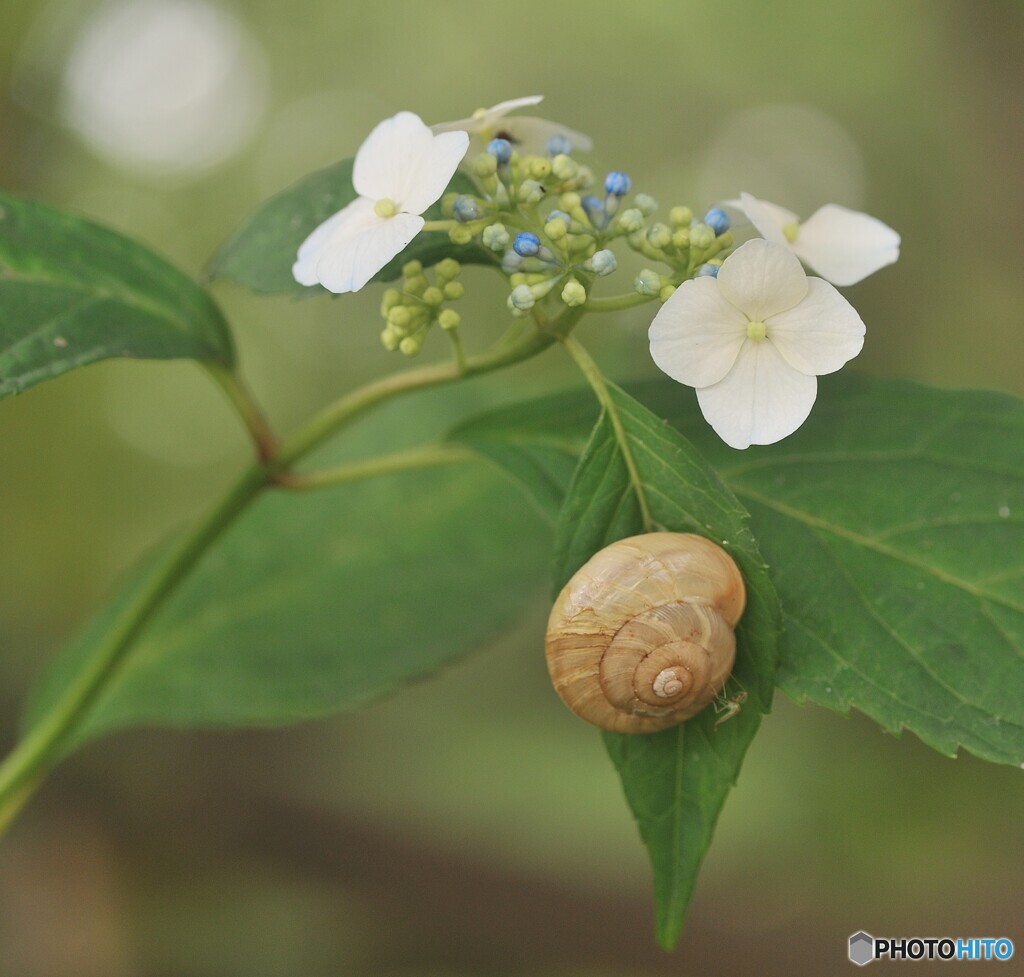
pixel 642 637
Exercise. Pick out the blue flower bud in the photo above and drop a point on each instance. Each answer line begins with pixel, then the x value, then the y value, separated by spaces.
pixel 594 208
pixel 603 262
pixel 526 244
pixel 500 149
pixel 717 219
pixel 707 271
pixel 559 145
pixel 617 183
pixel 465 209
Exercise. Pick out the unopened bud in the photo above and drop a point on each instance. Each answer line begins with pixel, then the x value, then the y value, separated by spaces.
pixel 496 237
pixel 460 234
pixel 701 237
pixel 521 298
pixel 648 282
pixel 574 294
pixel 680 216
pixel 530 192
pixel 603 262
pixel 449 319
pixel 666 292
pixel 556 229
pixel 454 290
pixel 659 236
pixel 645 203
pixel 433 296
pixel 447 269
pixel 564 168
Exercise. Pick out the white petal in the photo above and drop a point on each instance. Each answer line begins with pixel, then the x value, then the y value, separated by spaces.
pixel 769 219
pixel 762 279
pixel 760 401
pixel 820 334
pixel 359 247
pixel 434 171
pixel 386 163
pixel 304 268
pixel 531 134
pixel 846 246
pixel 486 118
pixel 696 335
pixel 510 105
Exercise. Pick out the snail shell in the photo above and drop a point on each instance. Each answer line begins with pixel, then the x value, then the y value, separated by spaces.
pixel 641 637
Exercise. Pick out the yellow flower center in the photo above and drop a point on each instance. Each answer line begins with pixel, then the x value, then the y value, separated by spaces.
pixel 756 331
pixel 385 207
pixel 790 231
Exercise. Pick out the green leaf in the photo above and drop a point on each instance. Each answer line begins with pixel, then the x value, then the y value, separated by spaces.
pixel 321 602
pixel 262 251
pixel 894 525
pixel 537 443
pixel 72 293
pixel 893 522
pixel 675 781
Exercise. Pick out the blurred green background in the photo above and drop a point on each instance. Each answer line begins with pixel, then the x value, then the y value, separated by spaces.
pixel 469 825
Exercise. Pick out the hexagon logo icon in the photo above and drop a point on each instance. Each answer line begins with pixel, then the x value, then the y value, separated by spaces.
pixel 862 948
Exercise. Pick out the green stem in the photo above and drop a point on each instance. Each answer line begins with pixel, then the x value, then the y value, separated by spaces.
pixel 32 758
pixel 400 461
pixel 247 408
pixel 597 382
pixel 616 303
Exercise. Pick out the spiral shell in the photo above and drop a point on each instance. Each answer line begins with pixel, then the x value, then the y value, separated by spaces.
pixel 641 638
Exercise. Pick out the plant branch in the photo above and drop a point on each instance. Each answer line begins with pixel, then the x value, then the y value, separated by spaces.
pixel 400 461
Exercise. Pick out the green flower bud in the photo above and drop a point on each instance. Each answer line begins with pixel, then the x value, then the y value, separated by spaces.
pixel 681 238
pixel 448 205
pixel 496 237
pixel 485 165
pixel 539 167
pixel 411 345
pixel 645 203
pixel 517 278
pixel 666 293
pixel 680 216
pixel 460 234
pixel 648 282
pixel 400 317
pixel 569 202
pixel 521 298
pixel 389 300
pixel 659 236
pixel 390 338
pixel 556 229
pixel 574 293
pixel 564 168
pixel 725 240
pixel 448 269
pixel 415 284
pixel 433 296
pixel 631 220
pixel 449 319
pixel 701 237
pixel 412 268
pixel 530 192
pixel 454 290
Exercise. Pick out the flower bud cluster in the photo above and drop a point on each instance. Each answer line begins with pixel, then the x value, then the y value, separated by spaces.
pixel 551 222
pixel 411 310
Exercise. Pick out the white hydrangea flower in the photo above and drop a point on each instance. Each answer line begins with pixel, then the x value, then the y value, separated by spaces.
pixel 399 171
pixel 843 246
pixel 526 132
pixel 753 340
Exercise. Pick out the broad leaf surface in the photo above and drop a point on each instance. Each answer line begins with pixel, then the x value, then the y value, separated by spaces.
pixel 72 293
pixel 893 523
pixel 322 602
pixel 675 781
pixel 262 251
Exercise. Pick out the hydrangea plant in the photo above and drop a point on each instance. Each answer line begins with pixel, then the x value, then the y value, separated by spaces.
pixel 877 535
